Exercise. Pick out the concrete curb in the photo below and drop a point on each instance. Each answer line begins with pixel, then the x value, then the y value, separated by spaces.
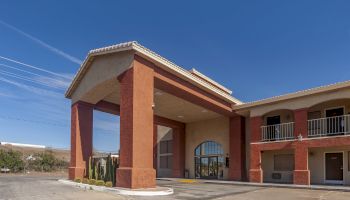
pixel 158 191
pixel 276 185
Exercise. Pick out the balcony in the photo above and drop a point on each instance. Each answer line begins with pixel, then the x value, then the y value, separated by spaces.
pixel 329 126
pixel 277 132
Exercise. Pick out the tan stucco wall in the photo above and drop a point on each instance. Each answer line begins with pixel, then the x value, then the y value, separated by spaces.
pixel 317 164
pixel 298 103
pixel 267 164
pixel 103 74
pixel 209 130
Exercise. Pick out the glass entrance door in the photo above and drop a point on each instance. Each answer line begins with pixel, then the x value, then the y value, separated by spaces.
pixel 209 161
pixel 209 167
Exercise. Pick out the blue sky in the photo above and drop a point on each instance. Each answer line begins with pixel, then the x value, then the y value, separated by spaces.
pixel 256 48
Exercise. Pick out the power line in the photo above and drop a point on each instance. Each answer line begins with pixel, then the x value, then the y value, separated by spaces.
pixel 28 72
pixel 44 44
pixel 29 79
pixel 34 67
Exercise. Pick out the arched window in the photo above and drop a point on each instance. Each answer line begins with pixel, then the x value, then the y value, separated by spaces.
pixel 208 148
pixel 209 160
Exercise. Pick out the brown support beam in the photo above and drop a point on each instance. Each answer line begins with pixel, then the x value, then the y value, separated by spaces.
pixel 176 86
pixel 107 107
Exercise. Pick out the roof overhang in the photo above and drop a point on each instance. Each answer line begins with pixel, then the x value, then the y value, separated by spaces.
pixel 290 96
pixel 162 62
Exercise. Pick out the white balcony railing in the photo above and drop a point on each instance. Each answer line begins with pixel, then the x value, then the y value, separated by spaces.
pixel 339 125
pixel 278 132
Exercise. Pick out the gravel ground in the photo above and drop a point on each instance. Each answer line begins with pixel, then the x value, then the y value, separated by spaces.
pixel 23 187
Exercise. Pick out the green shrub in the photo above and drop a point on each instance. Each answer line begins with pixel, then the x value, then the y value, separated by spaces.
pixel 78 180
pixel 85 181
pixel 11 160
pixel 109 184
pixel 92 181
pixel 47 162
pixel 100 183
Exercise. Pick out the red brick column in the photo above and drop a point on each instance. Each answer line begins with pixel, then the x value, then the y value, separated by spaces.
pixel 301 175
pixel 136 128
pixel 155 149
pixel 237 149
pixel 255 128
pixel 255 172
pixel 178 152
pixel 300 122
pixel 81 139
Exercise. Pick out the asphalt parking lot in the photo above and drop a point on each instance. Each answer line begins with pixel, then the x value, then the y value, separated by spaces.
pixel 47 187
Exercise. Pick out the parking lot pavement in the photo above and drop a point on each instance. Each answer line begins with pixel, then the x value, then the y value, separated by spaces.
pixel 17 187
pixel 47 187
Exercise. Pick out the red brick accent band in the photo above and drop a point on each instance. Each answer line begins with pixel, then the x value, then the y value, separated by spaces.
pixel 237 170
pixel 179 152
pixel 255 128
pixel 255 172
pixel 300 122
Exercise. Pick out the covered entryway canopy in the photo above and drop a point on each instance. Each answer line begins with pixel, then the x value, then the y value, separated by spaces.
pixel 144 89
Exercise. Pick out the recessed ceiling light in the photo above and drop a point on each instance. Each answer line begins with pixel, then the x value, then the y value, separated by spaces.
pixel 158 93
pixel 204 111
pixel 180 116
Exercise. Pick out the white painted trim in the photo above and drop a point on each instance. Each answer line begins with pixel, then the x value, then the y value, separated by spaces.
pixel 277 141
pixel 194 71
pixel 324 169
pixel 313 138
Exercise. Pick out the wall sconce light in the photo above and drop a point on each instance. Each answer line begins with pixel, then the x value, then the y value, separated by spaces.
pixel 300 137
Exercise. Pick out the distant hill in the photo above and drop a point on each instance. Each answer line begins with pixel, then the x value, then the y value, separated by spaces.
pixel 29 149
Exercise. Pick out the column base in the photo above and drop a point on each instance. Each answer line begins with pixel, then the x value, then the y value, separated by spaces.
pixel 76 172
pixel 135 178
pixel 255 175
pixel 301 177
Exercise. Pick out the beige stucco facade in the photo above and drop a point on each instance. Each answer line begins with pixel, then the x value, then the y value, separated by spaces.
pixel 216 130
pixel 317 164
pixel 100 78
pixel 267 158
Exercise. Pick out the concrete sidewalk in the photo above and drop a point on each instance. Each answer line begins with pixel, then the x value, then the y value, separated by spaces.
pixel 276 185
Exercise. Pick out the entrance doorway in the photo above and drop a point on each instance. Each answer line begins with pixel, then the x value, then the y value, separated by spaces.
pixel 209 161
pixel 334 168
pixel 209 167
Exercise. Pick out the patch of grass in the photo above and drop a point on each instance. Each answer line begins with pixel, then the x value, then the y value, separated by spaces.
pixel 100 183
pixel 92 182
pixel 109 184
pixel 77 180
